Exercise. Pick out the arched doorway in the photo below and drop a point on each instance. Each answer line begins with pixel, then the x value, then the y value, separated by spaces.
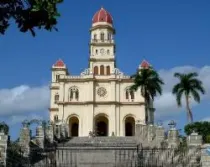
pixel 101 125
pixel 73 126
pixel 129 126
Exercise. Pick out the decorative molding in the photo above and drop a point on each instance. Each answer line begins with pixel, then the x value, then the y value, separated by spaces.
pixel 54 87
pixel 53 109
pixel 99 102
pixel 102 92
pixel 60 69
pixel 127 80
pixel 98 59
pixel 103 26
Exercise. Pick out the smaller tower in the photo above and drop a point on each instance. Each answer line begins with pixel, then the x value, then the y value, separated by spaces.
pixel 59 71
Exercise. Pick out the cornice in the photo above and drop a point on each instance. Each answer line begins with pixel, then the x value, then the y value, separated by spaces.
pixel 54 87
pixel 126 80
pixel 103 26
pixel 100 102
pixel 102 44
pixel 59 69
pixel 53 109
pixel 101 59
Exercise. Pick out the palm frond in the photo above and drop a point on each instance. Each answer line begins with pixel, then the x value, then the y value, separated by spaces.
pixel 195 95
pixel 134 87
pixel 201 89
pixel 192 75
pixel 176 88
pixel 198 85
pixel 178 75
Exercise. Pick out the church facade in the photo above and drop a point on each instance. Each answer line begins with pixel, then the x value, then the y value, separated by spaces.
pixel 99 99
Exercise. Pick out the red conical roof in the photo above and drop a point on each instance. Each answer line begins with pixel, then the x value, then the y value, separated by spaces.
pixel 102 16
pixel 59 63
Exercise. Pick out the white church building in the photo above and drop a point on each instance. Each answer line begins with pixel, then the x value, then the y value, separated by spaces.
pixel 99 99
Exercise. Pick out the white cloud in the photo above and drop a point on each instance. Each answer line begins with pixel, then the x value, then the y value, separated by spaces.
pixel 166 104
pixel 23 99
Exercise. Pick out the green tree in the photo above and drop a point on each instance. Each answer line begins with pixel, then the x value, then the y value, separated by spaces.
pixel 202 128
pixel 188 86
pixel 4 127
pixel 29 14
pixel 150 84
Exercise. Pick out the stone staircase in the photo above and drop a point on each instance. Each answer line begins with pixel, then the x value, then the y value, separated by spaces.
pixel 101 141
pixel 98 152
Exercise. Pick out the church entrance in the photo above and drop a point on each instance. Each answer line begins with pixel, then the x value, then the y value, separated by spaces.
pixel 101 125
pixel 129 126
pixel 73 127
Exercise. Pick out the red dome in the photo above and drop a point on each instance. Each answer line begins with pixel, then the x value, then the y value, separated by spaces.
pixel 102 16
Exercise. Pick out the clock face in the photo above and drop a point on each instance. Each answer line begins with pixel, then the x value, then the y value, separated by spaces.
pixel 102 51
pixel 101 92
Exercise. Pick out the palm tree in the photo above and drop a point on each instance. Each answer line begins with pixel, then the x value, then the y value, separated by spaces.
pixel 150 84
pixel 188 86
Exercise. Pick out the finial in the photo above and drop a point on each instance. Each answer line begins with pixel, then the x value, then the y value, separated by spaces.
pixel 102 7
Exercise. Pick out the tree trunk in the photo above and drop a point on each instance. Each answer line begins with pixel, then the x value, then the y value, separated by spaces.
pixel 189 112
pixel 147 109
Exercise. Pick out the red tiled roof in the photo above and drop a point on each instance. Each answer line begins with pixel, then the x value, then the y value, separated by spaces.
pixel 59 63
pixel 102 16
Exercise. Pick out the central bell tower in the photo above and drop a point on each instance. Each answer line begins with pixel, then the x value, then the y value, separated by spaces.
pixel 102 45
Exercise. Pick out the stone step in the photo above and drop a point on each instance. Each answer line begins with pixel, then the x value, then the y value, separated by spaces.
pixel 101 141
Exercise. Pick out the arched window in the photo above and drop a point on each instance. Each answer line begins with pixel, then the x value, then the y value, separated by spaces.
pixel 127 94
pixel 132 94
pixel 109 36
pixel 56 99
pixel 102 36
pixel 77 94
pixel 107 70
pixel 73 93
pixel 95 71
pixel 56 118
pixel 96 51
pixel 57 77
pixel 95 37
pixel 102 70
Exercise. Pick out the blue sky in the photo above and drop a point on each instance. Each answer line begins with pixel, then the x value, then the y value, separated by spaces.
pixel 171 35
